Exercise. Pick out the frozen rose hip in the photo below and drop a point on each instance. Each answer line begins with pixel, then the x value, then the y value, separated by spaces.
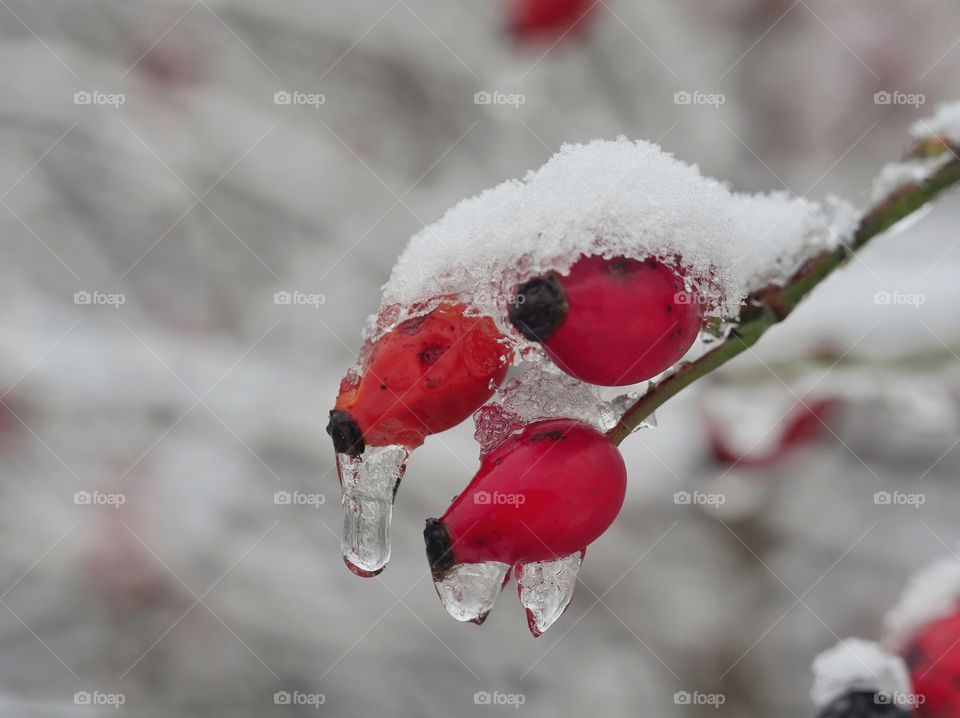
pixel 543 494
pixel 933 658
pixel 610 322
pixel 426 375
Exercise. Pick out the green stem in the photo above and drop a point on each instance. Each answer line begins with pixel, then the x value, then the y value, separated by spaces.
pixel 769 306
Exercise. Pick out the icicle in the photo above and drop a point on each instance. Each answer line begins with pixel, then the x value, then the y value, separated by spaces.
pixel 368 484
pixel 545 589
pixel 468 590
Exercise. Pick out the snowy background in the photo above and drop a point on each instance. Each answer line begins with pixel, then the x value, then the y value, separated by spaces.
pixel 198 397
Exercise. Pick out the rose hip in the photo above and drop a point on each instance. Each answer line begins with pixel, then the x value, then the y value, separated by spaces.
pixel 610 322
pixel 544 493
pixel 933 657
pixel 426 375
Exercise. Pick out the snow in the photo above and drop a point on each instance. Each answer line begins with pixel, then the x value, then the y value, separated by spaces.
pixel 945 123
pixel 614 198
pixel 932 594
pixel 610 198
pixel 855 664
pixel 778 232
pixel 895 175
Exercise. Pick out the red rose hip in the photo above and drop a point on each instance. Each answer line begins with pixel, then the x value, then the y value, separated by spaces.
pixel 425 376
pixel 610 322
pixel 544 493
pixel 933 658
pixel 537 501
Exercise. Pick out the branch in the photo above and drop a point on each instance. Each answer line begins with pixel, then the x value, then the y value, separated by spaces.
pixel 771 305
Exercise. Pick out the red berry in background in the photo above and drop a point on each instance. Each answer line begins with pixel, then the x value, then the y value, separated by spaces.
pixel 544 493
pixel 611 322
pixel 933 658
pixel 425 376
pixel 805 423
pixel 548 20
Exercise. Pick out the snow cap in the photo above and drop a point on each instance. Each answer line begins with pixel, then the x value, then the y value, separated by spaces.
pixel 857 665
pixel 613 198
pixel 945 123
pixel 932 594
pixel 896 175
pixel 777 233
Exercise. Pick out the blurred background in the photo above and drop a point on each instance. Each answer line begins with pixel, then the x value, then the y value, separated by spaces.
pixel 169 167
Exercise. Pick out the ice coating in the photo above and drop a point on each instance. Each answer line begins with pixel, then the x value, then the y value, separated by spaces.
pixel 857 665
pixel 546 588
pixel 468 590
pixel 544 392
pixel 932 594
pixel 778 232
pixel 945 124
pixel 368 485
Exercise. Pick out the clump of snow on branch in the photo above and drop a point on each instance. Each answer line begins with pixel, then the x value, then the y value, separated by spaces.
pixel 945 124
pixel 932 594
pixel 857 665
pixel 610 198
pixel 778 232
pixel 896 175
